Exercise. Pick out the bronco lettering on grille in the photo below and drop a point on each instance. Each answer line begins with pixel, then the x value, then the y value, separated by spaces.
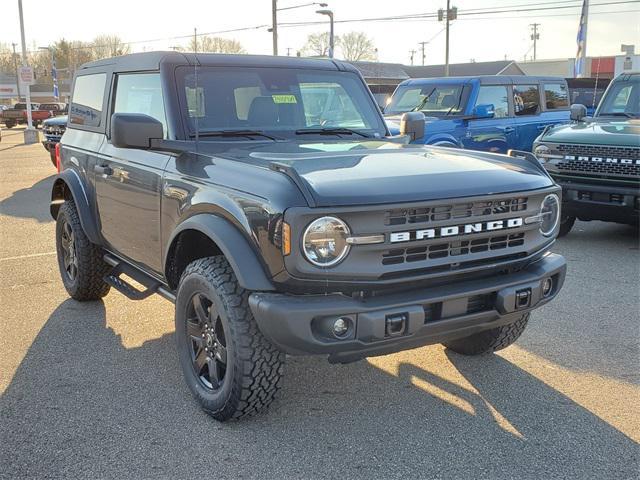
pixel 454 230
pixel 621 161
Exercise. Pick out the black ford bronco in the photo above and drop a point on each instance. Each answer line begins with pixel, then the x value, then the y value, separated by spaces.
pixel 265 197
pixel 596 159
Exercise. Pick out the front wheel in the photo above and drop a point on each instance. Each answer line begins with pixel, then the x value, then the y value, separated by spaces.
pixel 229 366
pixel 9 124
pixel 489 341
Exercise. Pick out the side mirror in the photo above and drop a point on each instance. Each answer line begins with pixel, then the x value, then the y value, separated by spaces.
pixel 412 124
pixel 577 112
pixel 134 130
pixel 484 111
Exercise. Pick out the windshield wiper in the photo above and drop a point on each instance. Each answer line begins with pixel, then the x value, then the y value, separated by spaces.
pixel 232 133
pixel 424 101
pixel 618 114
pixel 330 131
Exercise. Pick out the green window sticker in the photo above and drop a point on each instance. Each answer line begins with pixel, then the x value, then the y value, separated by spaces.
pixel 284 98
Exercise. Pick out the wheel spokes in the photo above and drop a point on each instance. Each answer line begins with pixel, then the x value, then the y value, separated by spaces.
pixel 200 309
pixel 221 353
pixel 194 329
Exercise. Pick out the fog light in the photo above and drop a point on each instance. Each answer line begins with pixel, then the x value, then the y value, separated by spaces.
pixel 547 286
pixel 341 327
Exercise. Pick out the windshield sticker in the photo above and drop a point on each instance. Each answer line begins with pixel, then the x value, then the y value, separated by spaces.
pixel 283 98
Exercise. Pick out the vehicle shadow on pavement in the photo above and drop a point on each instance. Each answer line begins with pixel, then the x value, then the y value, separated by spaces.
pixel 83 405
pixel 20 203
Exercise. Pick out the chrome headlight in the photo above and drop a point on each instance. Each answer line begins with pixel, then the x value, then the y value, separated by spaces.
pixel 541 151
pixel 549 214
pixel 324 241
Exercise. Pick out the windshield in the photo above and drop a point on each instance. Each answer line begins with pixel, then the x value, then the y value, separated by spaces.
pixel 280 102
pixel 431 99
pixel 622 98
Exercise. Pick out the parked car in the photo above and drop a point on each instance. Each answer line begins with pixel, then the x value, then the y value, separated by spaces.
pixel 490 113
pixel 587 91
pixel 597 160
pixel 275 230
pixel 53 129
pixel 18 115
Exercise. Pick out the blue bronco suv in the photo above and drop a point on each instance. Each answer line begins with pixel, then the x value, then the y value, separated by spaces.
pixel 491 113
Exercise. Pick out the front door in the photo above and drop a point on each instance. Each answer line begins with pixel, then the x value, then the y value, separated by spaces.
pixel 128 181
pixel 497 134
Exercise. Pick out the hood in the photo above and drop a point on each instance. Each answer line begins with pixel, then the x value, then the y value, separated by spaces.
pixel 61 120
pixel 601 131
pixel 349 173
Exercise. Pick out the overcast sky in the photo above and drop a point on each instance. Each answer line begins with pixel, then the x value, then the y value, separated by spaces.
pixel 480 37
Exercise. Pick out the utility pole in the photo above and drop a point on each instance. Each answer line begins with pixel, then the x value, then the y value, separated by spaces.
pixel 422 44
pixel 450 14
pixel 274 25
pixel 195 40
pixel 288 51
pixel 15 66
pixel 30 134
pixel 535 36
pixel 412 53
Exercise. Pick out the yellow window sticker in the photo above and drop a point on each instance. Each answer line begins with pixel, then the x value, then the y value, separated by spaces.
pixel 284 98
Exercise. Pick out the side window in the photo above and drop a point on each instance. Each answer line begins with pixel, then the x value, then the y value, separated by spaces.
pixel 526 100
pixel 140 93
pixel 496 96
pixel 555 96
pixel 86 102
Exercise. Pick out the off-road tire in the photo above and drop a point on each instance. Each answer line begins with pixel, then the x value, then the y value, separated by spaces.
pixel 489 341
pixel 566 224
pixel 254 366
pixel 9 124
pixel 88 283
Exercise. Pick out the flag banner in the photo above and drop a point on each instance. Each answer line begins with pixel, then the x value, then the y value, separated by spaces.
pixel 579 64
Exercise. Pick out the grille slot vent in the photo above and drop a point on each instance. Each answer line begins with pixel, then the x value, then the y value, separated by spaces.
pixel 603 167
pixel 451 249
pixel 457 211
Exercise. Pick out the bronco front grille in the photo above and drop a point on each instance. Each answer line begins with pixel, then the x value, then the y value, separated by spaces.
pixel 451 249
pixel 455 211
pixel 610 164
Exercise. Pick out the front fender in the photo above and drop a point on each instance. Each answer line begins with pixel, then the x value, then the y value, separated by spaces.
pixel 244 260
pixel 68 183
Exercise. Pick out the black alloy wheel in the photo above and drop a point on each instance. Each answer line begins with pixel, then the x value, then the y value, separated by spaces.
pixel 207 342
pixel 69 257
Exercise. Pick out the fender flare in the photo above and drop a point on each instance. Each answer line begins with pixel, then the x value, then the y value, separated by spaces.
pixel 244 260
pixel 437 141
pixel 70 180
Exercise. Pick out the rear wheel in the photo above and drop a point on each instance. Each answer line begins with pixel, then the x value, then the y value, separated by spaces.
pixel 81 265
pixel 566 224
pixel 229 366
pixel 9 124
pixel 489 341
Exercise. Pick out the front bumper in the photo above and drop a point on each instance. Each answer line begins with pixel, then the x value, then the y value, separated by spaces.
pixel 49 143
pixel 302 324
pixel 599 202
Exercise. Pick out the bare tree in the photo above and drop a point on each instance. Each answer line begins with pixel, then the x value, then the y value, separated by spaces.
pixel 215 45
pixel 357 46
pixel 105 46
pixel 317 45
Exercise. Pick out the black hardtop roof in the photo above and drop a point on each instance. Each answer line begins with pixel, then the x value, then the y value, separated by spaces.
pixel 486 79
pixel 153 60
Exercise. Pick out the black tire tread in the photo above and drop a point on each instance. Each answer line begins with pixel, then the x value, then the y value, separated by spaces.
pixel 489 341
pixel 260 364
pixel 566 225
pixel 91 266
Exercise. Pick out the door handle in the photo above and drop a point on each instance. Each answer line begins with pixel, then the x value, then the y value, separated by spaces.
pixel 508 129
pixel 103 170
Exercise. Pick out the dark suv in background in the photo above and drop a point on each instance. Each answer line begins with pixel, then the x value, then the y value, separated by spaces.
pixel 596 159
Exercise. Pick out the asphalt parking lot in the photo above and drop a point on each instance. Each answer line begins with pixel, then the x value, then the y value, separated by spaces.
pixel 95 390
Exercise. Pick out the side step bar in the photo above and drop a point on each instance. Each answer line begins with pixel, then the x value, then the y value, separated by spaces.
pixel 152 285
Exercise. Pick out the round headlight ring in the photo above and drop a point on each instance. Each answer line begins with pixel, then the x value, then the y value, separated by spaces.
pixel 551 203
pixel 341 238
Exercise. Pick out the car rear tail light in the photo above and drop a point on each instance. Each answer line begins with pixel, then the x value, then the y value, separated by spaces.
pixel 58 165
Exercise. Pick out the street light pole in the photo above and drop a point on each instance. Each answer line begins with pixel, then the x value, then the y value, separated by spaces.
pixel 329 13
pixel 30 134
pixel 446 60
pixel 274 25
